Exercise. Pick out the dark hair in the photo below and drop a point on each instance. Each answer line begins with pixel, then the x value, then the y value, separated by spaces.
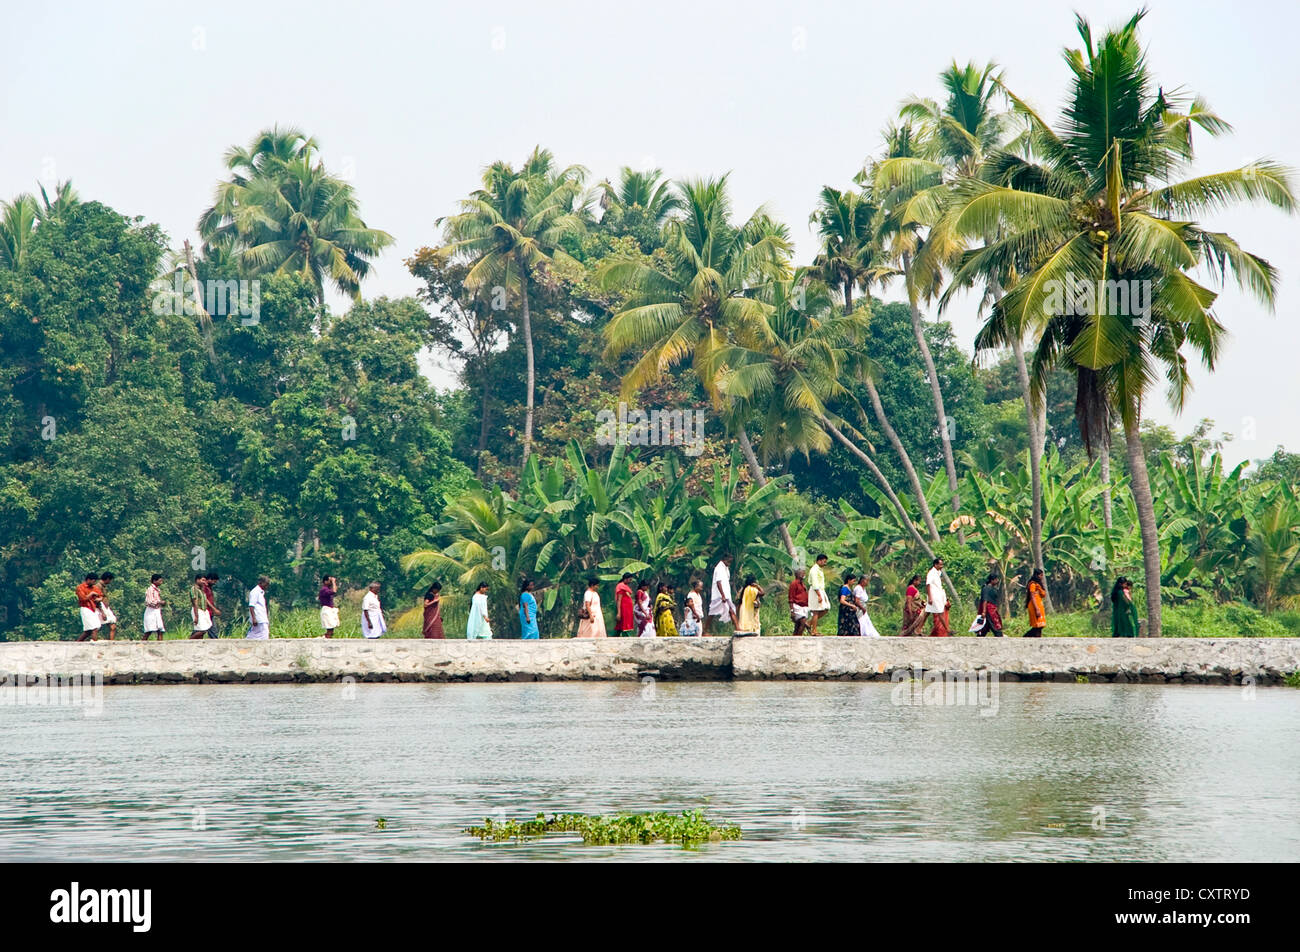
pixel 432 590
pixel 1037 576
pixel 214 577
pixel 823 555
pixel 1119 586
pixel 913 580
pixel 523 584
pixel 435 586
pixel 644 583
pixel 850 574
pixel 626 576
pixel 107 577
pixel 936 561
pixel 198 576
pixel 592 581
pixel 155 577
pixel 91 577
pixel 480 585
pixel 661 588
pixel 750 580
pixel 992 579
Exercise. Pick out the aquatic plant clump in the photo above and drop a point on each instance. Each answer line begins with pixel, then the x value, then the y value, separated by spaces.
pixel 687 829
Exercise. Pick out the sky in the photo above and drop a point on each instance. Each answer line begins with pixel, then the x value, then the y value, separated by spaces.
pixel 137 102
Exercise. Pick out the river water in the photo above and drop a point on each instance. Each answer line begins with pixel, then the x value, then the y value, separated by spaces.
pixel 810 771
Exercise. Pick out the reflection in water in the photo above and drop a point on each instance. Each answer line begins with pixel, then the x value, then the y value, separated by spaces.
pixel 811 771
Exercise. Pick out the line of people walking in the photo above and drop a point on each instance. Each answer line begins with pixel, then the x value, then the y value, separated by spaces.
pixel 637 611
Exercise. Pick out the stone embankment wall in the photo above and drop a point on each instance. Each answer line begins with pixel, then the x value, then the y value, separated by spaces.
pixel 1168 660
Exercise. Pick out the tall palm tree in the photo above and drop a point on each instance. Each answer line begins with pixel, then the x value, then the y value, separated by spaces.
pixel 511 230
pixel 850 258
pixel 907 181
pixel 700 295
pixel 282 212
pixel 648 191
pixel 1103 218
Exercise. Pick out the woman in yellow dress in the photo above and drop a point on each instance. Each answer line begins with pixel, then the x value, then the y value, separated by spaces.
pixel 665 605
pixel 747 622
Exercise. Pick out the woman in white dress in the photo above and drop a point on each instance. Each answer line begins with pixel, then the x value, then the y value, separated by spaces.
pixel 864 620
pixel 479 625
pixel 591 618
pixel 693 616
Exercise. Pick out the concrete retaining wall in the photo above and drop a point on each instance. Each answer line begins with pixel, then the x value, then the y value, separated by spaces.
pixel 1169 660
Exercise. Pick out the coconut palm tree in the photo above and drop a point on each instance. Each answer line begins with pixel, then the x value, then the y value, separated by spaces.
pixel 18 220
pixel 850 258
pixel 692 302
pixel 281 212
pixel 1110 231
pixel 788 369
pixel 511 231
pixel 648 191
pixel 908 182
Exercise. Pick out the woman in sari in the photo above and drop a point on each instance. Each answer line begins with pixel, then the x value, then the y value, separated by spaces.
pixel 747 621
pixel 693 615
pixel 665 605
pixel 865 628
pixel 913 608
pixel 479 625
pixel 1123 613
pixel 527 611
pixel 1034 605
pixel 432 627
pixel 848 620
pixel 591 620
pixel 642 612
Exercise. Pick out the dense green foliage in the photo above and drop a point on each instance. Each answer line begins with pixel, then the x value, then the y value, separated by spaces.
pixel 143 428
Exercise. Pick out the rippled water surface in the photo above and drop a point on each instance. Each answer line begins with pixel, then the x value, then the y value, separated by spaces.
pixel 811 771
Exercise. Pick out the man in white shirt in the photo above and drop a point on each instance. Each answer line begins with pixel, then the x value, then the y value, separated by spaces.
pixel 937 600
pixel 259 627
pixel 372 614
pixel 721 607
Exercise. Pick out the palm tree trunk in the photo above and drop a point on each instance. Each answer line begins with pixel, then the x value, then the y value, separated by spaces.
pixel 532 375
pixel 483 423
pixel 897 444
pixel 1035 461
pixel 879 408
pixel 205 320
pixel 1141 486
pixel 1105 481
pixel 935 391
pixel 756 471
pixel 889 491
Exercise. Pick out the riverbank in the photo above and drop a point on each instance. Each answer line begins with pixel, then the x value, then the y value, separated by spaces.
pixel 1168 660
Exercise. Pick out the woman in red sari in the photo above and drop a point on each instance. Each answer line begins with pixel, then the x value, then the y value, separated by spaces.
pixel 913 608
pixel 626 625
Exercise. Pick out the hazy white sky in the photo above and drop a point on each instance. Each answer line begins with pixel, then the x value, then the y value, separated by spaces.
pixel 136 103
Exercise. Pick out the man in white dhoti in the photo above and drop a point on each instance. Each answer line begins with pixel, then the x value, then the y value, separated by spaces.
pixel 936 605
pixel 259 624
pixel 721 607
pixel 153 606
pixel 200 615
pixel 372 614
pixel 88 608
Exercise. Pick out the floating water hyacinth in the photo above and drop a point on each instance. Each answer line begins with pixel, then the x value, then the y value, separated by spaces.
pixel 687 829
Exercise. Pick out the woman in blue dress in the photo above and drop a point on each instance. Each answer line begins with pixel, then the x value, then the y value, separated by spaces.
pixel 527 611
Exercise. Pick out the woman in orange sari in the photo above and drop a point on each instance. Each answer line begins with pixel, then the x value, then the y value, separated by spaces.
pixel 913 608
pixel 1034 605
